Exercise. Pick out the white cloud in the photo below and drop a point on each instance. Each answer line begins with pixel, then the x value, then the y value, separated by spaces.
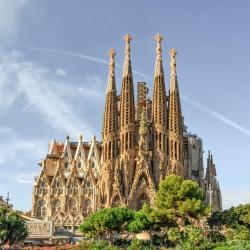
pixel 26 178
pixel 41 92
pixel 18 150
pixel 218 116
pixel 10 11
pixel 60 72
pixel 235 197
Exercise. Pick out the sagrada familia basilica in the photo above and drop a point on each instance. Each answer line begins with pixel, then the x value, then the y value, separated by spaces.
pixel 143 141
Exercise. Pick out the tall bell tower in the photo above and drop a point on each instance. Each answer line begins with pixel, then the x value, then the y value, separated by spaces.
pixel 110 135
pixel 127 121
pixel 159 115
pixel 175 126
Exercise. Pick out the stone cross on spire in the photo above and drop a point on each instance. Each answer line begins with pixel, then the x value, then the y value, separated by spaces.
pixel 111 79
pixel 127 64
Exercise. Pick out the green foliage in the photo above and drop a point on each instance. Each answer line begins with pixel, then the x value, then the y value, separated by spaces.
pixel 238 233
pixel 233 245
pixel 175 235
pixel 195 238
pixel 142 220
pixel 190 238
pixel 107 220
pixel 215 236
pixel 95 245
pixel 12 227
pixel 140 245
pixel 180 199
pixel 232 217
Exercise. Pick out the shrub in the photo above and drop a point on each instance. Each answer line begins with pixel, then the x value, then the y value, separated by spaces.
pixel 140 245
pixel 233 245
pixel 95 245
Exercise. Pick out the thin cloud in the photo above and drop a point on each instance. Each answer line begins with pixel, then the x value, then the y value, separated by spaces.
pixel 213 113
pixel 36 84
pixel 90 58
pixel 217 115
pixel 25 178
pixel 60 72
pixel 235 197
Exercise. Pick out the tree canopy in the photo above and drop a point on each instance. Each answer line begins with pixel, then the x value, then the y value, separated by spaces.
pixel 107 220
pixel 180 215
pixel 181 201
pixel 12 227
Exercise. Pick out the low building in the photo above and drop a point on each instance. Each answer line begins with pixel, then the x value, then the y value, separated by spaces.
pixel 5 203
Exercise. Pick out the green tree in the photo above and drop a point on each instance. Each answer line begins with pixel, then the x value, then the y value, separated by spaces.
pixel 12 228
pixel 144 219
pixel 106 221
pixel 180 201
pixel 3 226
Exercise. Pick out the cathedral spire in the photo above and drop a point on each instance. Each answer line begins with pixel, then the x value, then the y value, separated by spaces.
pixel 127 93
pixel 110 135
pixel 110 113
pixel 127 119
pixel 111 78
pixel 159 113
pixel 175 122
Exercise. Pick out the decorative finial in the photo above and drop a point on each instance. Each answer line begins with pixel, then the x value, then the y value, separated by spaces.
pixel 173 53
pixel 158 39
pixel 112 54
pixel 127 39
pixel 111 77
pixel 81 137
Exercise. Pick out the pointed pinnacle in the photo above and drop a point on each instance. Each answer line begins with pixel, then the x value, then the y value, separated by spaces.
pixel 158 63
pixel 127 64
pixel 81 137
pixel 111 82
pixel 127 39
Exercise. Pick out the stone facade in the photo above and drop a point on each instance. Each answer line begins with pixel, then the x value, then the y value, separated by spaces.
pixel 141 144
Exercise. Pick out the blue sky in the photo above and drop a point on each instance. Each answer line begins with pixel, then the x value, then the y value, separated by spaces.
pixel 49 88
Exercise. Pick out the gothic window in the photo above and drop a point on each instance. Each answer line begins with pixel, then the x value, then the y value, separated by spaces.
pixel 79 164
pixel 87 207
pixel 56 206
pixel 44 212
pixel 41 210
pixel 93 165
